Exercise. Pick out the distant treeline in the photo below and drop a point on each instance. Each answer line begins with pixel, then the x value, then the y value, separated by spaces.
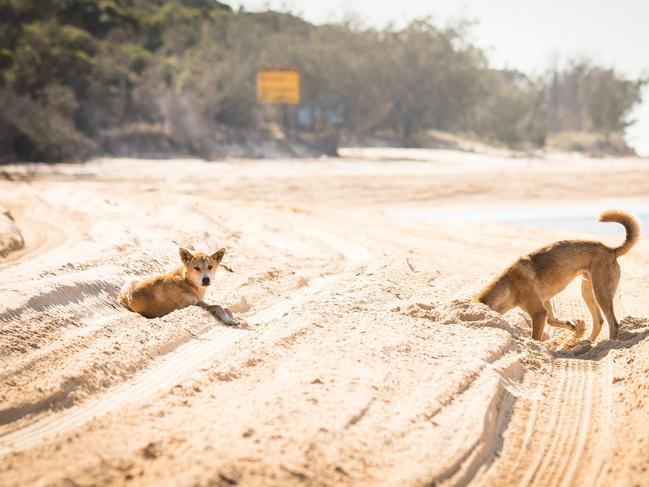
pixel 78 77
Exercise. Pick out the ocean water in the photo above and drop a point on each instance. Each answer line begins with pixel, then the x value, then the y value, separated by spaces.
pixel 581 218
pixel 580 223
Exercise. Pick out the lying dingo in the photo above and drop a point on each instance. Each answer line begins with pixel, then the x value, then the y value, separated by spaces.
pixel 532 280
pixel 182 287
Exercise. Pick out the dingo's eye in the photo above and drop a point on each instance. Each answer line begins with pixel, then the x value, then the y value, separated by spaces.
pixel 197 268
pixel 210 267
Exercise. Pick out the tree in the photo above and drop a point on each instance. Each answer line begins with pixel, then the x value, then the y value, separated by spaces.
pixel 608 99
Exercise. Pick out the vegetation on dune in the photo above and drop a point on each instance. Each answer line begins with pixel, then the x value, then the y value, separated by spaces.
pixel 82 77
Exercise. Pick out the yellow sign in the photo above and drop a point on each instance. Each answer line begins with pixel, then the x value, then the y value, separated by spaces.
pixel 278 86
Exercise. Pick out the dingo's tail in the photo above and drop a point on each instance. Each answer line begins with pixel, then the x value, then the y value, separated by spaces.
pixel 630 224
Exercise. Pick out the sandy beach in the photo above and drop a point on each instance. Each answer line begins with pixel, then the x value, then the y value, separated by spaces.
pixel 361 361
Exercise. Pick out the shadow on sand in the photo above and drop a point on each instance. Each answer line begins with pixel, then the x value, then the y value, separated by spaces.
pixel 632 331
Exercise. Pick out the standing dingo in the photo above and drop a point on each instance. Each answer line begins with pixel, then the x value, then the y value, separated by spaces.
pixel 532 280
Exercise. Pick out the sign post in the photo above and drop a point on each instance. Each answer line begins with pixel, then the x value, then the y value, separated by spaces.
pixel 279 85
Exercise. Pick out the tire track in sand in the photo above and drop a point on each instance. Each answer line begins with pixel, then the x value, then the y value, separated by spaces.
pixel 172 369
pixel 557 427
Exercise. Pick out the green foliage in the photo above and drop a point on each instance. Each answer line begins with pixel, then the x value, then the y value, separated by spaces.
pixel 432 82
pixel 608 100
pixel 43 131
pixel 137 56
pixel 584 97
pixel 48 52
pixel 73 72
pixel 512 111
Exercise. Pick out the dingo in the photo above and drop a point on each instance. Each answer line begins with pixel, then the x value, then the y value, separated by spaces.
pixel 182 287
pixel 534 279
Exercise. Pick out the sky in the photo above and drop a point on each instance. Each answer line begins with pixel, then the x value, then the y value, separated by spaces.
pixel 529 35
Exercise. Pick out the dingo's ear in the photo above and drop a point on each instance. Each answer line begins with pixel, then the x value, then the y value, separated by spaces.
pixel 185 255
pixel 218 255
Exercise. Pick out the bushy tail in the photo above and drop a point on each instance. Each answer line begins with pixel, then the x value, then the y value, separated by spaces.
pixel 630 224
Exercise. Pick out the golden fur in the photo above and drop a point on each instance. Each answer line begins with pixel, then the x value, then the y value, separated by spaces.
pixel 184 286
pixel 534 279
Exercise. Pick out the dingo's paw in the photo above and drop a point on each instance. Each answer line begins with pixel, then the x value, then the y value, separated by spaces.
pixel 228 319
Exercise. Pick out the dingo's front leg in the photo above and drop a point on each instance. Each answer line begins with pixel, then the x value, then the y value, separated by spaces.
pixel 225 315
pixel 552 320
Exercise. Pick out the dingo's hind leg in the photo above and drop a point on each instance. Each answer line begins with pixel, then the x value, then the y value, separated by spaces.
pixel 605 280
pixel 591 303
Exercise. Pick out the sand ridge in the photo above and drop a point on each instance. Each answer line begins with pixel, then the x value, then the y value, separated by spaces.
pixel 10 237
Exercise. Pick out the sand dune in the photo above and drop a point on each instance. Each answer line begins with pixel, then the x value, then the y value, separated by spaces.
pixel 363 362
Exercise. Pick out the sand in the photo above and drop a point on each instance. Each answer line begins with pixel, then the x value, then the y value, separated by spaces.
pixel 363 362
pixel 10 237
